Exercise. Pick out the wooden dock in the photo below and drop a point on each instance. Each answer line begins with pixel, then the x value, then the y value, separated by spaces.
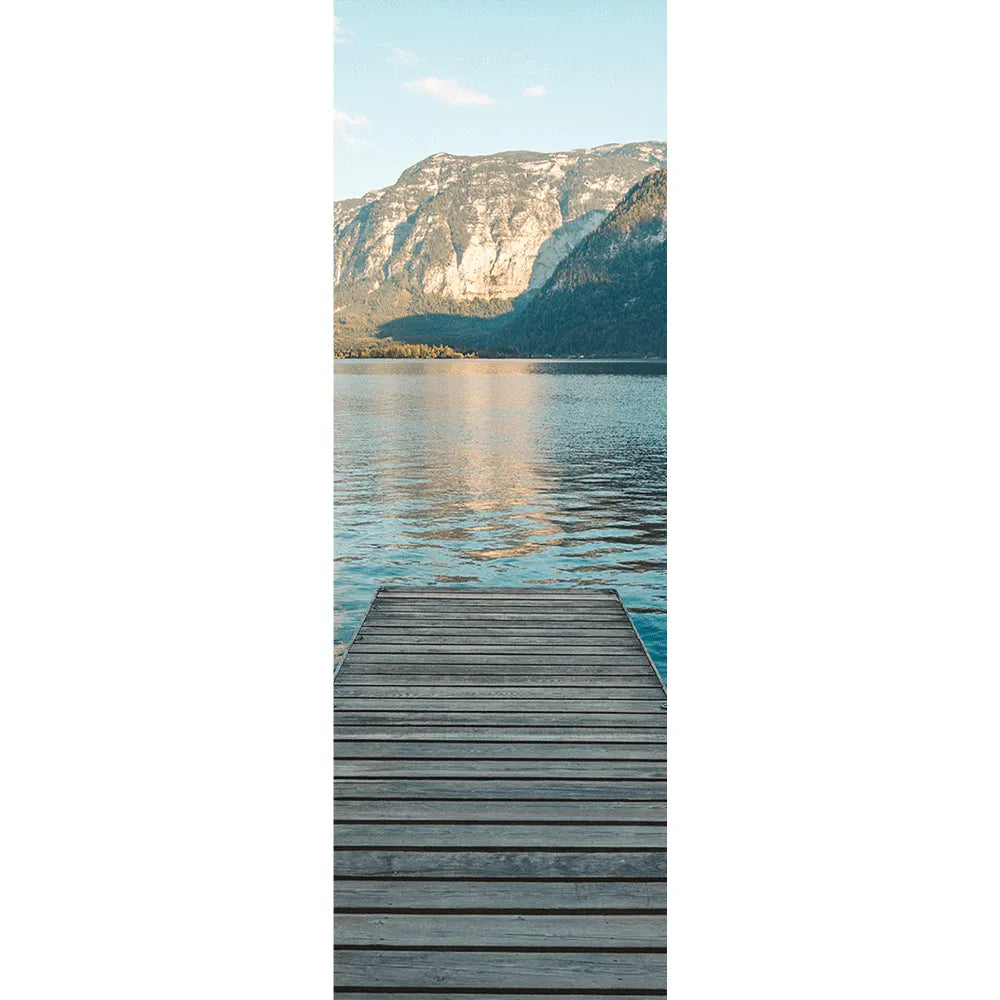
pixel 500 800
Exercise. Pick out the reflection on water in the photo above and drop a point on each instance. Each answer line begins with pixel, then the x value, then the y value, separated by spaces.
pixel 502 473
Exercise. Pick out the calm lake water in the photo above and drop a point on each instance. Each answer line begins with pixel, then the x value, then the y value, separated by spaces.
pixel 502 473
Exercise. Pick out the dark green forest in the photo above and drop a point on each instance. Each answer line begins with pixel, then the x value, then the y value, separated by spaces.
pixel 608 297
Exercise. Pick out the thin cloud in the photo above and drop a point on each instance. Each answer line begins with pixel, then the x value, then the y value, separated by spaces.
pixel 340 33
pixel 344 126
pixel 356 142
pixel 400 56
pixel 536 91
pixel 447 91
pixel 343 118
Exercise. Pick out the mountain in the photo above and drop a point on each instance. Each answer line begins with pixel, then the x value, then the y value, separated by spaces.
pixel 608 296
pixel 467 236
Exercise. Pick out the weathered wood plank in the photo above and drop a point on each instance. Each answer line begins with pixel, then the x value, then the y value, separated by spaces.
pixel 579 664
pixel 497 617
pixel 462 632
pixel 510 897
pixel 442 694
pixel 543 590
pixel 433 608
pixel 522 682
pixel 378 768
pixel 609 790
pixel 360 669
pixel 502 836
pixel 416 995
pixel 610 864
pixel 575 705
pixel 431 930
pixel 484 811
pixel 488 734
pixel 344 750
pixel 500 594
pixel 499 601
pixel 502 718
pixel 507 970
pixel 567 646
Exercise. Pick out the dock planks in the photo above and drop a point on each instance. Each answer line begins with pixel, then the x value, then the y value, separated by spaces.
pixel 500 799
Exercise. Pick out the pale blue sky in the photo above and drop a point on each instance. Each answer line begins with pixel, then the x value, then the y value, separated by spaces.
pixel 416 77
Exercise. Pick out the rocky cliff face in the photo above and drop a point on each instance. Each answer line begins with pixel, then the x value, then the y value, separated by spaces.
pixel 469 234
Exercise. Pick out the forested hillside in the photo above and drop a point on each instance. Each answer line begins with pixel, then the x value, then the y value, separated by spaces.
pixel 608 297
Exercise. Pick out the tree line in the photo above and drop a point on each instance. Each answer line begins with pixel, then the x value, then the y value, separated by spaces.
pixel 401 351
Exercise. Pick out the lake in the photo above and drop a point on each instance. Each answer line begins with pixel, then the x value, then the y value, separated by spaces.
pixel 501 473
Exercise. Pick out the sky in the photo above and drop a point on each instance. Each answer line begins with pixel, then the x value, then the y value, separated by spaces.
pixel 417 77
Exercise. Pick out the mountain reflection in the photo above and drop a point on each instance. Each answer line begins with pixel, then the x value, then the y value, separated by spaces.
pixel 501 473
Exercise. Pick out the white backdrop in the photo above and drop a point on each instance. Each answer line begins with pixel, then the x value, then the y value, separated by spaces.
pixel 165 395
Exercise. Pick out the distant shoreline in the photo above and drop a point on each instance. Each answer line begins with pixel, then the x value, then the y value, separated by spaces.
pixel 474 357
